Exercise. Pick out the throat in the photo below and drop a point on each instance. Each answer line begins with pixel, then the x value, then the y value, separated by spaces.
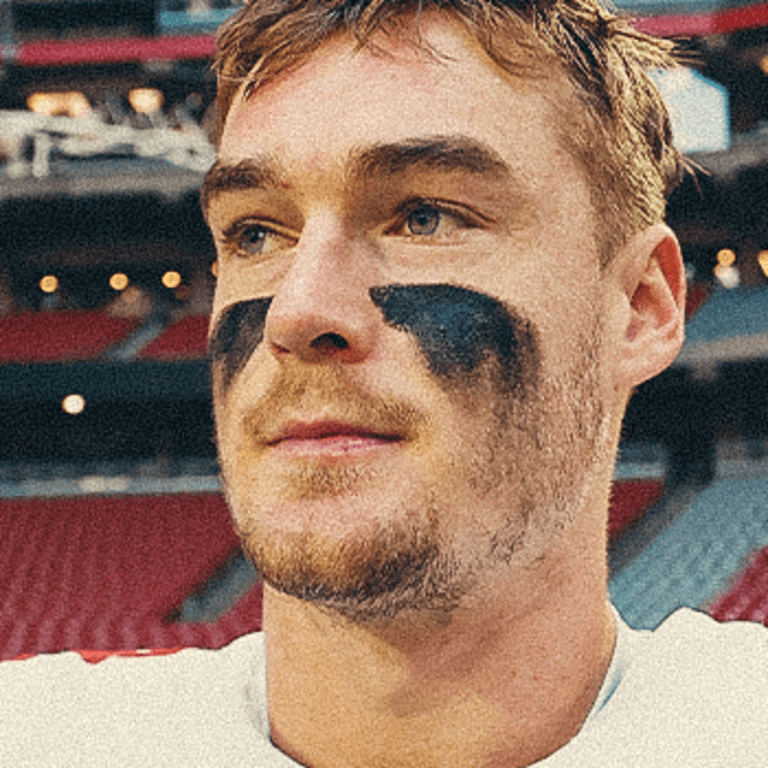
pixel 469 693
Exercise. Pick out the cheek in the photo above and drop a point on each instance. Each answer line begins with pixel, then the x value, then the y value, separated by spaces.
pixel 237 332
pixel 574 329
pixel 458 329
pixel 566 305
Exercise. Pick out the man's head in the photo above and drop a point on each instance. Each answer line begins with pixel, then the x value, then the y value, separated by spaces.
pixel 420 353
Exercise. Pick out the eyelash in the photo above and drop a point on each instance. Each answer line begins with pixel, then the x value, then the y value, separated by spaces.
pixel 233 236
pixel 461 216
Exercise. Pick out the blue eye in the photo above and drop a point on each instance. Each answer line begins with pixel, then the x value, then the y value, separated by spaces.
pixel 424 220
pixel 253 239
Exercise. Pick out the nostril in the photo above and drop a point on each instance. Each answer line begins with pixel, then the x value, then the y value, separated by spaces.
pixel 329 342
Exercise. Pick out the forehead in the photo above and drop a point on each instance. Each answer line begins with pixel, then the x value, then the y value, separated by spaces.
pixel 342 99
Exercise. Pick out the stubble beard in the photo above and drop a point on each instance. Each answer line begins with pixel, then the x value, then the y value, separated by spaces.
pixel 541 442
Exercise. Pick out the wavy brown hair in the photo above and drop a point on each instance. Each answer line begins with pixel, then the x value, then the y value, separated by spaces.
pixel 621 136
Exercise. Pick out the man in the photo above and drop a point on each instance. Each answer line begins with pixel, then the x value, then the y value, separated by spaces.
pixel 442 269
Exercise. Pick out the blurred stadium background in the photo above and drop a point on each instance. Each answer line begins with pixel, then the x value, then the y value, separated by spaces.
pixel 113 532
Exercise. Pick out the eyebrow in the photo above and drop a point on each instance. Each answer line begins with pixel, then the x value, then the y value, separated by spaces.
pixel 252 173
pixel 440 153
pixel 443 154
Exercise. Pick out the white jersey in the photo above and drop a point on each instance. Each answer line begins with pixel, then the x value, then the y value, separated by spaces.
pixel 691 694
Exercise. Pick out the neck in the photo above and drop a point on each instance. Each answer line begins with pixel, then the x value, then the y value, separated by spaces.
pixel 504 681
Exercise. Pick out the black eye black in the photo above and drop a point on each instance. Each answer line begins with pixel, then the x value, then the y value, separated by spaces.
pixel 423 220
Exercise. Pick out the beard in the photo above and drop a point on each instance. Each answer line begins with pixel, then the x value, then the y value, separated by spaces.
pixel 509 484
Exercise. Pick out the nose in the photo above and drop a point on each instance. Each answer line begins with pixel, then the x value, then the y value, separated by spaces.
pixel 323 310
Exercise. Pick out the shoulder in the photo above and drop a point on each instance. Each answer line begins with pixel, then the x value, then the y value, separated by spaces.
pixel 695 693
pixel 58 709
pixel 58 672
pixel 706 658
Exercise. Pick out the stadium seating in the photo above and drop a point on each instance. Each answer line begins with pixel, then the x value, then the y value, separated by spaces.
pixel 188 338
pixel 104 572
pixel 747 598
pixel 53 336
pixel 629 500
pixel 692 560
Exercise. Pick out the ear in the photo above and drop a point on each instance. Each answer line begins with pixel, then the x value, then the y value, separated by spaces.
pixel 652 278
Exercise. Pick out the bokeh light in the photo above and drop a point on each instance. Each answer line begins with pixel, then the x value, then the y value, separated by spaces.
pixel 171 279
pixel 146 100
pixel 727 275
pixel 68 103
pixel 49 284
pixel 762 260
pixel 726 257
pixel 119 281
pixel 73 404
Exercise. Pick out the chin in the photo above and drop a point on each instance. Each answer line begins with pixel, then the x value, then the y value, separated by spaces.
pixel 367 551
pixel 375 555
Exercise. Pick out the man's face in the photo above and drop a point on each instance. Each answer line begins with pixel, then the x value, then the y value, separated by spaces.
pixel 406 329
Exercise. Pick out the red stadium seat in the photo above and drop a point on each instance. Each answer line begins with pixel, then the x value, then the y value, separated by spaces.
pixel 186 339
pixel 747 599
pixel 629 501
pixel 49 336
pixel 104 572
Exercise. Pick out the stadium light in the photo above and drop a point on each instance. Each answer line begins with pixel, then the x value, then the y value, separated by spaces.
pixel 726 257
pixel 171 279
pixel 49 284
pixel 728 275
pixel 73 404
pixel 762 260
pixel 146 100
pixel 119 281
pixel 68 103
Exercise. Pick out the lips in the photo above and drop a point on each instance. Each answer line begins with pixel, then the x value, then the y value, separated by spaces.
pixel 323 430
pixel 329 437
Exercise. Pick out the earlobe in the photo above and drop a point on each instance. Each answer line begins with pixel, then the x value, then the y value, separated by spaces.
pixel 653 282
